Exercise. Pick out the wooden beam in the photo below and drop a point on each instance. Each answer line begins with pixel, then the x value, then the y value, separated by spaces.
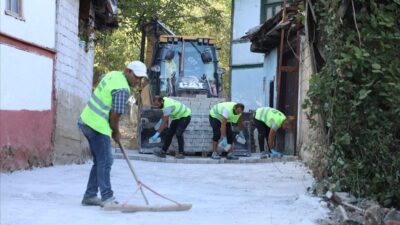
pixel 288 69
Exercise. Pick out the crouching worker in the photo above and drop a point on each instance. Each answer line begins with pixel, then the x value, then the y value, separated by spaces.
pixel 268 121
pixel 221 118
pixel 180 119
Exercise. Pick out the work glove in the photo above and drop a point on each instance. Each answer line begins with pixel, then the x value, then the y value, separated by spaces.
pixel 155 136
pixel 223 143
pixel 275 154
pixel 240 138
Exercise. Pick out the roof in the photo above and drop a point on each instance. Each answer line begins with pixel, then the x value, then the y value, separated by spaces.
pixel 266 36
pixel 105 14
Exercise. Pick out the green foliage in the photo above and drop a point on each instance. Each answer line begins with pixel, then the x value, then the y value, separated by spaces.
pixel 114 51
pixel 357 93
pixel 184 17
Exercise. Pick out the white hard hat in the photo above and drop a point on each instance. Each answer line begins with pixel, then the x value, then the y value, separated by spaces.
pixel 138 68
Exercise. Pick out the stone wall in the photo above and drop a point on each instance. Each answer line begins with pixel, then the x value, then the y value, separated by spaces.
pixel 310 140
pixel 73 85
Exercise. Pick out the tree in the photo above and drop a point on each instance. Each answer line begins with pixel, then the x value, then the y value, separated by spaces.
pixel 185 17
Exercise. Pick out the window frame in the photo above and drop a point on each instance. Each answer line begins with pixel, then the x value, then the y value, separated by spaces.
pixel 8 11
pixel 265 4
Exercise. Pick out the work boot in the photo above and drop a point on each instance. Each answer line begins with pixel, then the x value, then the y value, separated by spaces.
pixel 265 154
pixel 231 156
pixel 110 200
pixel 91 201
pixel 160 153
pixel 179 156
pixel 215 155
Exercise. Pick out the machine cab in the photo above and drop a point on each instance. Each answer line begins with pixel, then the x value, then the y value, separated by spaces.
pixel 185 66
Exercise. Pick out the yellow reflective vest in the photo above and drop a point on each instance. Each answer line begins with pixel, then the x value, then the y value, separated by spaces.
pixel 180 110
pixel 216 112
pixel 96 112
pixel 267 115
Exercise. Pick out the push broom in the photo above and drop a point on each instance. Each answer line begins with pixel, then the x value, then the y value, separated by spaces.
pixel 175 206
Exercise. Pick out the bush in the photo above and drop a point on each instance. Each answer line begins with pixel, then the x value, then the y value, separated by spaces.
pixel 357 93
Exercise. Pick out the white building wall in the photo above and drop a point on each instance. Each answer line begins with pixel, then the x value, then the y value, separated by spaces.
pixel 247 72
pixel 27 77
pixel 241 55
pixel 251 85
pixel 74 75
pixel 26 80
pixel 251 73
pixel 245 16
pixel 270 66
pixel 37 24
pixel 26 84
pixel 247 87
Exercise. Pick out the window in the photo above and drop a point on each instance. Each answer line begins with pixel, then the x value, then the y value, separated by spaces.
pixel 14 8
pixel 270 8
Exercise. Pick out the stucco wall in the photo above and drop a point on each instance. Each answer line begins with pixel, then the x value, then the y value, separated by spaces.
pixel 37 24
pixel 246 15
pixel 241 54
pixel 247 87
pixel 26 118
pixel 309 139
pixel 251 86
pixel 270 66
pixel 74 74
pixel 26 85
pixel 247 69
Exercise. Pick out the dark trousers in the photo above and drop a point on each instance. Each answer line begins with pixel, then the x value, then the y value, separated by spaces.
pixel 216 126
pixel 263 132
pixel 177 127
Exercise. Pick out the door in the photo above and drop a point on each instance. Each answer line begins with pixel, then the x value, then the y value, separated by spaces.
pixel 286 140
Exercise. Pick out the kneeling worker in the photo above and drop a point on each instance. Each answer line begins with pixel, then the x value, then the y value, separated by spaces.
pixel 180 119
pixel 268 121
pixel 221 118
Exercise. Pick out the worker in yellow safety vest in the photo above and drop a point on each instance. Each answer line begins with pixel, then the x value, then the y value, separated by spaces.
pixel 222 115
pixel 179 114
pixel 99 121
pixel 268 121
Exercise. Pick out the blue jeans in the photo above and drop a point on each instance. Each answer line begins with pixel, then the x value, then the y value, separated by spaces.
pixel 99 178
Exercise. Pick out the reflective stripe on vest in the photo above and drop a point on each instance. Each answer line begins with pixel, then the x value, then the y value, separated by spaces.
pixel 261 114
pixel 100 103
pixel 96 112
pixel 180 110
pixel 267 114
pixel 216 112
